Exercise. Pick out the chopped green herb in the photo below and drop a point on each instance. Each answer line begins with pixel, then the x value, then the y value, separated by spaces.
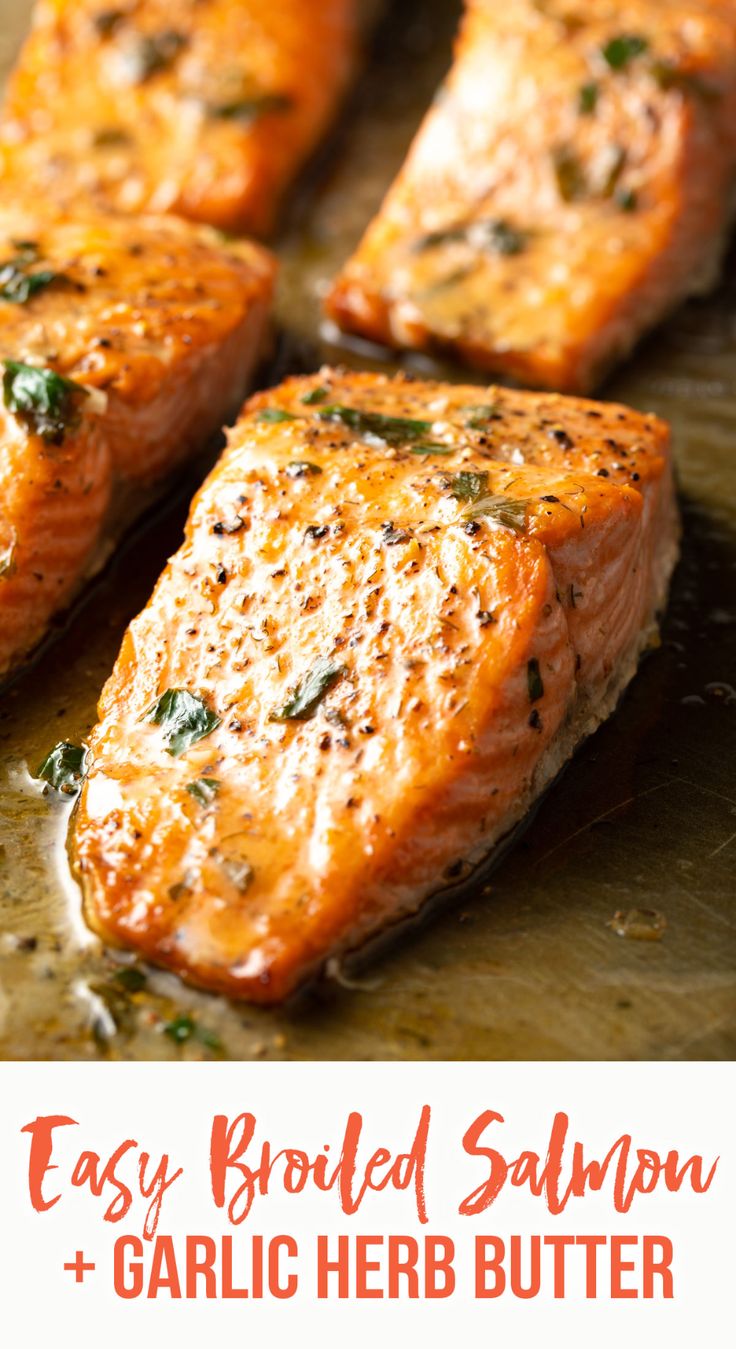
pixel 374 427
pixel 534 681
pixel 477 415
pixel 317 395
pixel 275 415
pixel 309 692
pixel 204 790
pixel 184 718
pixel 431 447
pixel 467 486
pixel 248 109
pixel 571 181
pixel 485 236
pixel 301 468
pixel 502 510
pixel 622 49
pixel 626 198
pixel 669 76
pixel 147 54
pixel 17 284
pixel 588 95
pixel 130 978
pixel 181 1029
pixel 63 768
pixel 45 402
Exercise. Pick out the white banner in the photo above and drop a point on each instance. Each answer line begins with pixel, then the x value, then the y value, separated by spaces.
pixel 555 1204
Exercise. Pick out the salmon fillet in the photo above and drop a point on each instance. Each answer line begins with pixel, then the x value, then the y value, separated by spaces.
pixel 572 183
pixel 124 345
pixel 398 608
pixel 206 110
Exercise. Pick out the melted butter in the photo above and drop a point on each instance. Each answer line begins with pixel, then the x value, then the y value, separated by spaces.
pixel 531 970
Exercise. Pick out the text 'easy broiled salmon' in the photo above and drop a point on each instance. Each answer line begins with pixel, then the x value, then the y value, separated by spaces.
pixel 207 110
pixel 398 608
pixel 124 346
pixel 572 183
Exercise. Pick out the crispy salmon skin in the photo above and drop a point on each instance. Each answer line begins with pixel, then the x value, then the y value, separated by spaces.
pixel 571 184
pixel 207 110
pixel 397 609
pixel 124 345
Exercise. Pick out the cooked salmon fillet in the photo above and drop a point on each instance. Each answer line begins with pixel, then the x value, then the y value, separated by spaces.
pixel 398 608
pixel 572 183
pixel 206 110
pixel 124 345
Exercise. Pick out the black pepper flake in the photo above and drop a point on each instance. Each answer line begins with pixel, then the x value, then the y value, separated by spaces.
pixel 316 531
pixel 485 617
pixel 221 576
pixel 366 730
pixel 472 527
pixel 553 499
pixel 559 434
pixel 602 473
pixel 535 721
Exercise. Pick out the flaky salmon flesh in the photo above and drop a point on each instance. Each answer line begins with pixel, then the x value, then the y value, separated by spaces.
pixel 572 183
pixel 206 110
pixel 398 607
pixel 124 346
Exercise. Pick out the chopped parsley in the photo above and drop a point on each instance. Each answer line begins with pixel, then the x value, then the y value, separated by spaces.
pixel 180 1030
pixel 184 719
pixel 588 95
pixel 622 49
pixel 317 395
pixel 18 284
pixel 534 681
pixel 63 768
pixel 309 692
pixel 204 790
pixel 248 109
pixel 130 978
pixel 477 415
pixel 47 403
pixel 484 236
pixel 502 510
pixel 626 199
pixel 669 76
pixel 569 173
pixel 275 415
pixel 375 427
pixel 467 485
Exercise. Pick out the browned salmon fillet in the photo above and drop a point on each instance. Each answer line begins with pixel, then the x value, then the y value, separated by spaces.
pixel 205 109
pixel 124 345
pixel 571 184
pixel 398 608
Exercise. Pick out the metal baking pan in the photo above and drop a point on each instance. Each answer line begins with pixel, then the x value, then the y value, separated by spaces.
pixel 528 962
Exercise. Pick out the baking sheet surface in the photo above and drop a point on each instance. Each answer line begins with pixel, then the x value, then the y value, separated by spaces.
pixel 524 964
